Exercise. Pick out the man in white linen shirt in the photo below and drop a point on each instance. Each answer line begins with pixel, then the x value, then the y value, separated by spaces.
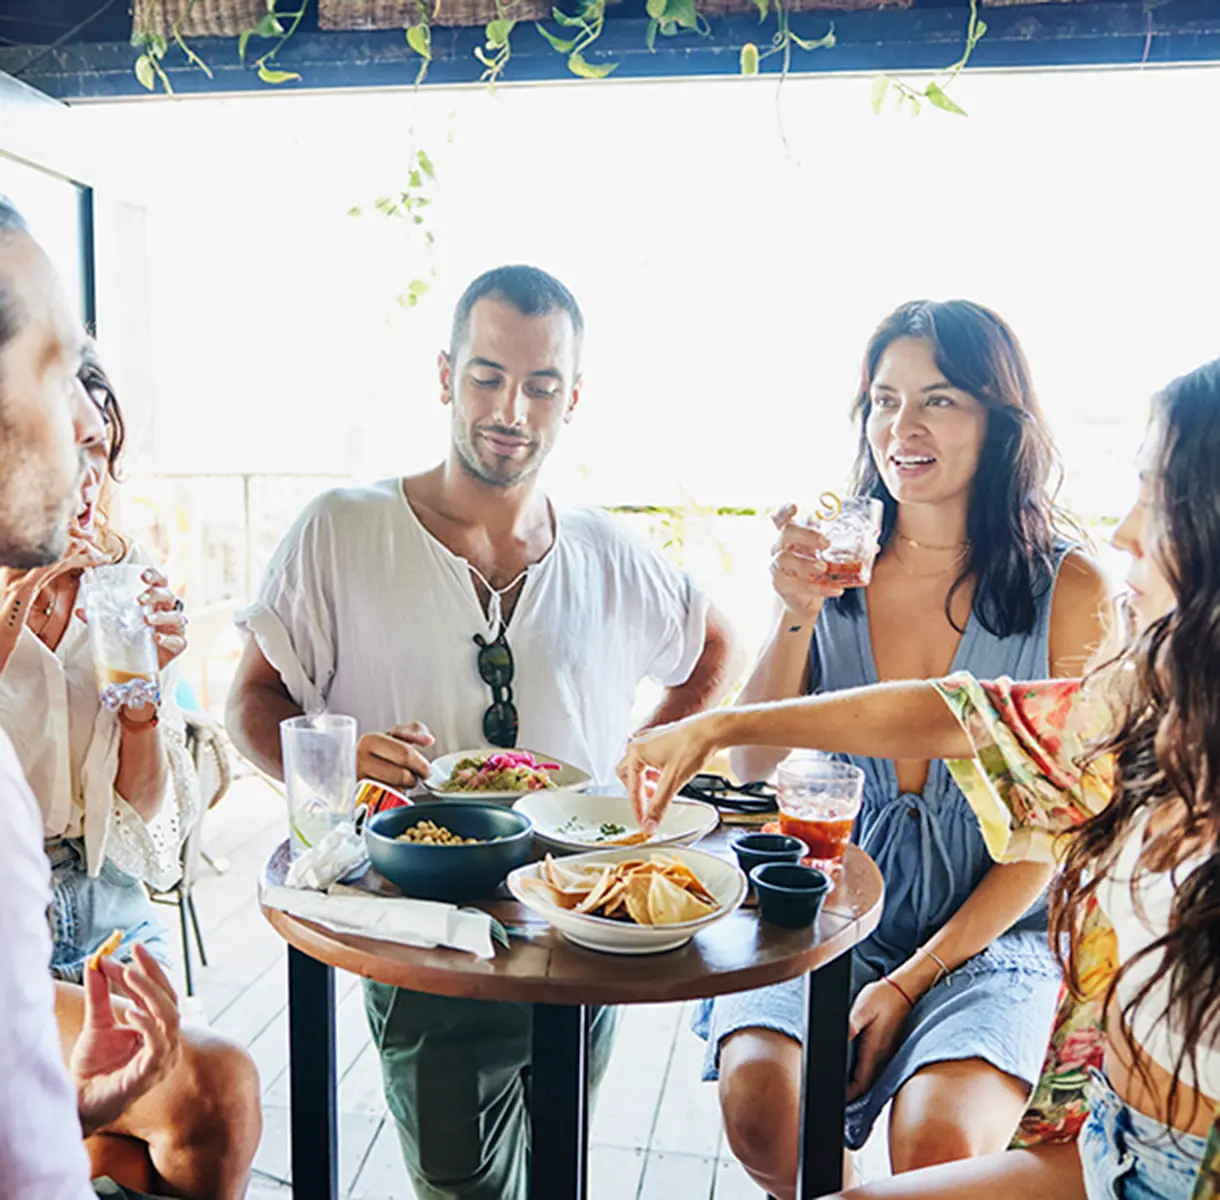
pixel 46 420
pixel 458 608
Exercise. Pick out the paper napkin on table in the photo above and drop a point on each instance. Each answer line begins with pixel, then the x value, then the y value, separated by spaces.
pixel 422 923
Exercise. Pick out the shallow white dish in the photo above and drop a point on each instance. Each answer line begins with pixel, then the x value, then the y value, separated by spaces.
pixel 575 821
pixel 722 878
pixel 572 778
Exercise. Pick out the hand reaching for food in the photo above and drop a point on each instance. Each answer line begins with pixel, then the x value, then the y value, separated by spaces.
pixel 393 758
pixel 659 761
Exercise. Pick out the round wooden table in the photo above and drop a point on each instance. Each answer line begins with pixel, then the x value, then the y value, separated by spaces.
pixel 563 982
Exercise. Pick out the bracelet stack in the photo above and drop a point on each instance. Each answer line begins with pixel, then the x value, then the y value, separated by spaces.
pixel 943 971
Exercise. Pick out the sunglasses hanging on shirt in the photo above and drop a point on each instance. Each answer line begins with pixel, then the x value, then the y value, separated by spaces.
pixel 496 669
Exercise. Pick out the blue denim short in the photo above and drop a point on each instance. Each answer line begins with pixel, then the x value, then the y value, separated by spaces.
pixel 1128 1156
pixel 85 912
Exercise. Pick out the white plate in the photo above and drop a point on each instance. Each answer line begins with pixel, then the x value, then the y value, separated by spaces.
pixel 571 821
pixel 722 878
pixel 567 776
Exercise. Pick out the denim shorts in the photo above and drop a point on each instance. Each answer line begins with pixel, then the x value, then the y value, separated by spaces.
pixel 85 912
pixel 1128 1156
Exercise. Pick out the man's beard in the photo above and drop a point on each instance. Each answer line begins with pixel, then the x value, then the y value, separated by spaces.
pixel 33 528
pixel 511 475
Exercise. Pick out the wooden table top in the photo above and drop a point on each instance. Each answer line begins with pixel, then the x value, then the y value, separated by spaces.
pixel 735 954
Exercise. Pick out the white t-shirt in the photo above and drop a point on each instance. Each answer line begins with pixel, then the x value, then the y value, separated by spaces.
pixel 41 1152
pixel 363 612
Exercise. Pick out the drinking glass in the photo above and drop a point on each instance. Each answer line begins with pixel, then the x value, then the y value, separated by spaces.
pixel 853 532
pixel 320 775
pixel 819 799
pixel 124 651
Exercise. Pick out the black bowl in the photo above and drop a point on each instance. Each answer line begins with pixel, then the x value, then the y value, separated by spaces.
pixel 754 849
pixel 454 873
pixel 788 893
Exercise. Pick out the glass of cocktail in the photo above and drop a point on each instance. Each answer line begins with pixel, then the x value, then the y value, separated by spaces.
pixel 819 799
pixel 852 527
pixel 124 650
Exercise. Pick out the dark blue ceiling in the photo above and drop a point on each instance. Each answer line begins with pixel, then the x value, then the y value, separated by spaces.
pixel 79 49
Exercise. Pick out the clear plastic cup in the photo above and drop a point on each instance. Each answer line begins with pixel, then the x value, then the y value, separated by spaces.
pixel 120 637
pixel 819 799
pixel 320 776
pixel 852 532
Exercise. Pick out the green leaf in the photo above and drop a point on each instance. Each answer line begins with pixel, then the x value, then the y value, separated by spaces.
pixel 763 7
pixel 876 97
pixel 415 180
pixel 145 73
pixel 656 8
pixel 355 211
pixel 587 70
pixel 650 35
pixel 564 47
pixel 417 287
pixel 419 38
pixel 243 41
pixel 425 164
pixel 498 32
pixel 936 96
pixel 267 75
pixel 682 12
pixel 980 28
pixel 269 26
pixel 158 45
pixel 563 19
pixel 749 59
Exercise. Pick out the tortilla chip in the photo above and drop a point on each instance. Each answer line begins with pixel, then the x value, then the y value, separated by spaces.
pixel 105 950
pixel 670 904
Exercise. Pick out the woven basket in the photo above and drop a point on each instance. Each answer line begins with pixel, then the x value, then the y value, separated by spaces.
pixel 398 14
pixel 203 18
pixel 720 8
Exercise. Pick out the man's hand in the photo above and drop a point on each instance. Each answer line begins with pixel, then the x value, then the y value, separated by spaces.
pixel 124 1052
pixel 390 758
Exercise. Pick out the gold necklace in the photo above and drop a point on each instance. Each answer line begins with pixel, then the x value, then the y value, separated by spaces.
pixel 928 545
pixel 928 574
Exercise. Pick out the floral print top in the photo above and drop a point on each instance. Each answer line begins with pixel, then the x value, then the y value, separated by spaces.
pixel 1026 786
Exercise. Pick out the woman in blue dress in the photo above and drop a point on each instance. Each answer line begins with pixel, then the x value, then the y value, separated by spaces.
pixel 954 993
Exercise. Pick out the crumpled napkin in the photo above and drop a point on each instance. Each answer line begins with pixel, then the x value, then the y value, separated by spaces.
pixel 423 923
pixel 338 854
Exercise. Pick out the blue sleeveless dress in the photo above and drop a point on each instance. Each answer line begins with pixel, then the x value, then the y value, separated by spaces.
pixel 997 1006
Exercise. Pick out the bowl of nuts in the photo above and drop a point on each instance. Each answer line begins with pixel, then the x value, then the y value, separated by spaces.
pixel 454 850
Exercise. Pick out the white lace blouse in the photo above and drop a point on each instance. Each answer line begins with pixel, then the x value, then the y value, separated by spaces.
pixel 68 745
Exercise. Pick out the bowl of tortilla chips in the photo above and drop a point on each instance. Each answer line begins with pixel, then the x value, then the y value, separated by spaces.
pixel 631 901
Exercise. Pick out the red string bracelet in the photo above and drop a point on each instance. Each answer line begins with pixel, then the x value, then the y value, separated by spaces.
pixel 900 990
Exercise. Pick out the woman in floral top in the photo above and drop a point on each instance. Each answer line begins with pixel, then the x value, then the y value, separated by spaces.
pixel 1119 779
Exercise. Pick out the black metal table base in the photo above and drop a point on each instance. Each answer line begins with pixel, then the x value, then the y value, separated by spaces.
pixel 559 1087
pixel 312 1078
pixel 559 1103
pixel 824 1082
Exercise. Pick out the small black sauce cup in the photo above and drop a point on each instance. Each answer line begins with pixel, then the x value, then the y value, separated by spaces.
pixel 788 893
pixel 754 849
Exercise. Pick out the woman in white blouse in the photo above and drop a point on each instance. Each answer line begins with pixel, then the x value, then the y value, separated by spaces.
pixel 117 790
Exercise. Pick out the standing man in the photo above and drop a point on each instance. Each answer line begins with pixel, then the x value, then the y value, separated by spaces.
pixel 46 422
pixel 458 608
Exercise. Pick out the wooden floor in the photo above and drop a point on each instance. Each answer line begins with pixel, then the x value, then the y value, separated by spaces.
pixel 656 1131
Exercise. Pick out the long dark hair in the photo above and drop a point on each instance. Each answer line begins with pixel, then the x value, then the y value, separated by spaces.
pixel 1166 739
pixel 101 391
pixel 1013 521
